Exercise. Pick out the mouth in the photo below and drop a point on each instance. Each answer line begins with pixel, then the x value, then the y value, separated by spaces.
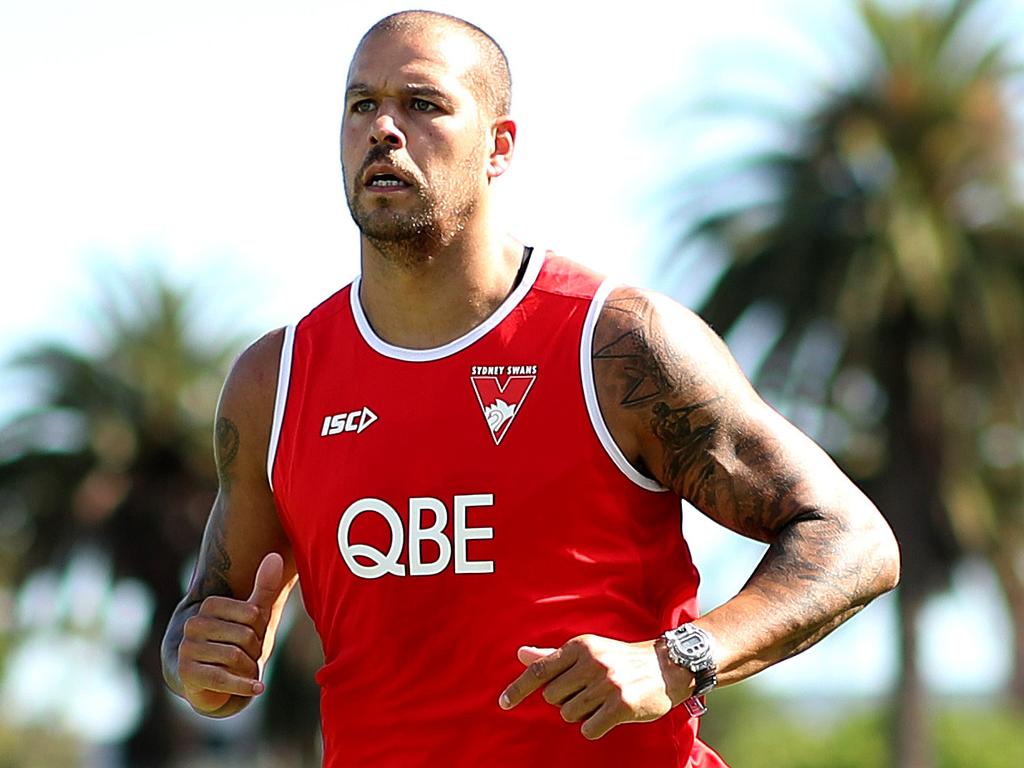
pixel 384 179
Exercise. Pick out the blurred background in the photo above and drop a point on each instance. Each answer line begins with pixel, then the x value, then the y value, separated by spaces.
pixel 836 185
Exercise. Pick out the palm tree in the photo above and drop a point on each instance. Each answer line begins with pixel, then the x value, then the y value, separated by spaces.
pixel 117 454
pixel 888 254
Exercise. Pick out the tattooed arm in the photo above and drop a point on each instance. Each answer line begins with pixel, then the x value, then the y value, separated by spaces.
pixel 222 632
pixel 683 413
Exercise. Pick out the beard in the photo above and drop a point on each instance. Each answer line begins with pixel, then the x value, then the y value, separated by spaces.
pixel 410 234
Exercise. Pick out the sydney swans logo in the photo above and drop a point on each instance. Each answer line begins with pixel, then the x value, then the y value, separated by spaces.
pixel 501 395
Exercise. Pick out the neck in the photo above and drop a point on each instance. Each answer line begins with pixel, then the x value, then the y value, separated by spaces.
pixel 433 297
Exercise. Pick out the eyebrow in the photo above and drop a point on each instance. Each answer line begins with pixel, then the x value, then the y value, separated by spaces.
pixel 413 89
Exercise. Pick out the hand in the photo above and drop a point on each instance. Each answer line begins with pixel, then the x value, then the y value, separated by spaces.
pixel 219 655
pixel 601 682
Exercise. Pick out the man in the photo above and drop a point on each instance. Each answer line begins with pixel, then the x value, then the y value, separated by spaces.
pixel 473 457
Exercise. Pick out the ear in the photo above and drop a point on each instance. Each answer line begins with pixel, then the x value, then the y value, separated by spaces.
pixel 503 140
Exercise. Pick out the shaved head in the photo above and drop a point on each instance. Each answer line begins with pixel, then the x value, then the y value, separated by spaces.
pixel 489 81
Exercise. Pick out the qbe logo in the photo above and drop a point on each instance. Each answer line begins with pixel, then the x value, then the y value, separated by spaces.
pixel 368 562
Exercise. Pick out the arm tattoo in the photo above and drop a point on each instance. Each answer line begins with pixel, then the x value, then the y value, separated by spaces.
pixel 214 560
pixel 651 374
pixel 225 449
pixel 701 456
pixel 687 464
pixel 646 377
pixel 208 579
pixel 822 565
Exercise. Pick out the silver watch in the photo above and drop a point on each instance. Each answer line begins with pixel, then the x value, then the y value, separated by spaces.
pixel 692 648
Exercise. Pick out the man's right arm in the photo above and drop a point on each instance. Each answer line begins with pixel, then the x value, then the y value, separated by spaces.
pixel 222 632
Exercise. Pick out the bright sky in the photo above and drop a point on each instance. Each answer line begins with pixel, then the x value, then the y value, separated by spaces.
pixel 202 135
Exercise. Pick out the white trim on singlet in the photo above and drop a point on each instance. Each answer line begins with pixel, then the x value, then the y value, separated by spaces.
pixel 590 393
pixel 284 375
pixel 459 344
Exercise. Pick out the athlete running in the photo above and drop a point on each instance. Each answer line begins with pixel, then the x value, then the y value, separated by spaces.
pixel 473 458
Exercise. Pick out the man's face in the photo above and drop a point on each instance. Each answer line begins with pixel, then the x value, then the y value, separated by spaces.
pixel 414 138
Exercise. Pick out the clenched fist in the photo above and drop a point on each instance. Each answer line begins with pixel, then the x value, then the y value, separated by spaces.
pixel 222 644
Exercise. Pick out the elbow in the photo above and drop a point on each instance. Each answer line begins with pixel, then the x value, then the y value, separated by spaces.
pixel 886 557
pixel 896 566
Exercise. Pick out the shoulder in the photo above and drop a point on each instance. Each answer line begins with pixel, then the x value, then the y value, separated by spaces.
pixel 662 374
pixel 251 384
pixel 565 277
pixel 257 365
pixel 662 345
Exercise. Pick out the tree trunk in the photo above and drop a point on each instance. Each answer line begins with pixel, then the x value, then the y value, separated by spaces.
pixel 912 737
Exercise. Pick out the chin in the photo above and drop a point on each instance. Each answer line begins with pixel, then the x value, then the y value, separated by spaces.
pixel 391 228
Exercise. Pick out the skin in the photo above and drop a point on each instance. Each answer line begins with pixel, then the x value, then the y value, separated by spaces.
pixel 684 414
pixel 411 95
pixel 435 263
pixel 222 632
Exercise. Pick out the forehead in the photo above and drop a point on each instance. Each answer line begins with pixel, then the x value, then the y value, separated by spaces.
pixel 439 57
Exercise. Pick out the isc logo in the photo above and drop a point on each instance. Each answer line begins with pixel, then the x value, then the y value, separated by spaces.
pixel 419 531
pixel 351 421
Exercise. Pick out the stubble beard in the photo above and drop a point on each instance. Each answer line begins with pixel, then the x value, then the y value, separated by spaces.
pixel 413 236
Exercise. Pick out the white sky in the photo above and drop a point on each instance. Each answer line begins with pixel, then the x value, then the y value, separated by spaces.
pixel 202 135
pixel 205 134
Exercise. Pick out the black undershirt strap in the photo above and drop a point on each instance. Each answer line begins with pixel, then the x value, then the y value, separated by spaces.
pixel 523 264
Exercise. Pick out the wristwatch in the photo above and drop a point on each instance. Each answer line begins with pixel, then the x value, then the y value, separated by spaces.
pixel 692 648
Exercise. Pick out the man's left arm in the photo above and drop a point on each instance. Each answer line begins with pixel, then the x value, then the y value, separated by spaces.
pixel 683 413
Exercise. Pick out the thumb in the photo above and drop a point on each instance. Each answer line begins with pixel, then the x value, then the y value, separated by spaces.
pixel 528 654
pixel 267 583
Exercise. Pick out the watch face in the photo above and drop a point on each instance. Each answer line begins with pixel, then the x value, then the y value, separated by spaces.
pixel 693 646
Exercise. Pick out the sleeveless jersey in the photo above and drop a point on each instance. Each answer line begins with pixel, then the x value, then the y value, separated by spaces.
pixel 446 506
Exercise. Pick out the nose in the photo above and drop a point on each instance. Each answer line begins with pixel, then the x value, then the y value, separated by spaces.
pixel 385 131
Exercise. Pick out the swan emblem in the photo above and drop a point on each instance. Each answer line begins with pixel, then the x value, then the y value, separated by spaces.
pixel 498 413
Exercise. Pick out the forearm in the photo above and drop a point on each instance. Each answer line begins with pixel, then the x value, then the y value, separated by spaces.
pixel 820 571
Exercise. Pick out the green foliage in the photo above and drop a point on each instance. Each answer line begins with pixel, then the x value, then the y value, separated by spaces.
pixel 885 243
pixel 36 748
pixel 750 731
pixel 115 455
pixel 113 422
pixel 980 738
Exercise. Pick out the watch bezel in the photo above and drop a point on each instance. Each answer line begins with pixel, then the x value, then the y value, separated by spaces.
pixel 692 648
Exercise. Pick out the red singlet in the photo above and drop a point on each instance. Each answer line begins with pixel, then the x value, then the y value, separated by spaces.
pixel 448 505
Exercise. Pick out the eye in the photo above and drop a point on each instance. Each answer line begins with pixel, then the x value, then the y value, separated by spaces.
pixel 363 106
pixel 422 105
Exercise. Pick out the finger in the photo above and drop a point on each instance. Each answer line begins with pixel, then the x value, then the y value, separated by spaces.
pixel 528 654
pixel 211 677
pixel 267 583
pixel 581 706
pixel 602 721
pixel 231 657
pixel 206 702
pixel 538 673
pixel 229 609
pixel 206 629
pixel 566 685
